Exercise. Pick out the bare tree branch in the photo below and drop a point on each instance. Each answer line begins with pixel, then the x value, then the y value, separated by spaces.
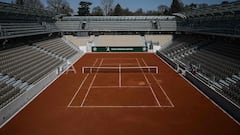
pixel 107 6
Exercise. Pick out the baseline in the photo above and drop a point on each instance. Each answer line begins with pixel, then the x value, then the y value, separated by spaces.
pixel 120 87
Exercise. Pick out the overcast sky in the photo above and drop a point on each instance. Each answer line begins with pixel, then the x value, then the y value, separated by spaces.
pixel 133 5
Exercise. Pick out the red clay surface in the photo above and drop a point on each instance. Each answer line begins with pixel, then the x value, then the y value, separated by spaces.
pixel 121 103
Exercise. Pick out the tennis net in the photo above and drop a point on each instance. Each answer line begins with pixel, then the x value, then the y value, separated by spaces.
pixel 147 69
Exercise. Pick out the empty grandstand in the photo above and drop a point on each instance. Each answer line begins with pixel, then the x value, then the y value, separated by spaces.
pixel 213 19
pixel 116 23
pixel 31 55
pixel 201 45
pixel 216 63
pixel 26 70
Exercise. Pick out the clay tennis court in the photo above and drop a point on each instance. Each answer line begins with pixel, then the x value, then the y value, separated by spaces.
pixel 121 94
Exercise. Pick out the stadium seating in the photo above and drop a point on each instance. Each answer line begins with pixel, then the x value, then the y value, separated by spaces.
pixel 117 23
pixel 79 41
pixel 215 63
pixel 57 47
pixel 25 63
pixel 16 29
pixel 24 66
pixel 21 28
pixel 7 92
pixel 213 19
pixel 20 21
pixel 21 68
pixel 69 25
pixel 22 12
pixel 117 18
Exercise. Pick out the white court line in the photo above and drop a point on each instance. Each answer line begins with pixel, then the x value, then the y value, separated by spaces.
pixel 119 107
pixel 85 97
pixel 154 95
pixel 119 87
pixel 168 106
pixel 118 58
pixel 95 62
pixel 124 64
pixel 120 77
pixel 78 90
pixel 160 86
pixel 80 86
pixel 149 66
pixel 163 91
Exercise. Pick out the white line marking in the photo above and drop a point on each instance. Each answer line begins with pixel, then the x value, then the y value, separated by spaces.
pixel 168 106
pixel 154 95
pixel 160 86
pixel 123 64
pixel 117 67
pixel 163 91
pixel 85 78
pixel 95 62
pixel 121 87
pixel 118 58
pixel 150 66
pixel 119 107
pixel 85 97
pixel 120 77
pixel 83 70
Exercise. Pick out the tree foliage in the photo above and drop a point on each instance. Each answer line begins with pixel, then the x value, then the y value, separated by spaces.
pixel 97 11
pixel 163 10
pixel 83 10
pixel 139 12
pixel 176 6
pixel 127 12
pixel 20 2
pixel 225 2
pixel 117 10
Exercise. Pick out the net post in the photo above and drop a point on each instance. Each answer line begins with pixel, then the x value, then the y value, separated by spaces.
pixel 157 69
